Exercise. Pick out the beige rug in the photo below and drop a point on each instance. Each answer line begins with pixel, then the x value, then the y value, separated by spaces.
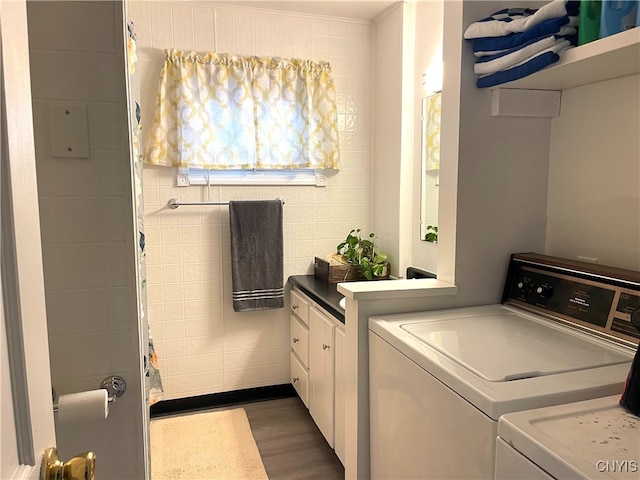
pixel 214 445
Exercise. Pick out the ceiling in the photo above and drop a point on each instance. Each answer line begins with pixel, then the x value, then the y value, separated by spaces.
pixel 359 9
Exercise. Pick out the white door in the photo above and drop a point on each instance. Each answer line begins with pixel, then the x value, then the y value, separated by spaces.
pixel 26 414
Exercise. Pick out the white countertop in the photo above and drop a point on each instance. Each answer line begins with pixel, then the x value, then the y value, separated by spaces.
pixel 389 289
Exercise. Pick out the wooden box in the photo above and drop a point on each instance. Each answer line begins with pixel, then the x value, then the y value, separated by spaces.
pixel 335 273
pixel 340 273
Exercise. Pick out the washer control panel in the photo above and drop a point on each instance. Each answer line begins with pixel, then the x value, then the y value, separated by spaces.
pixel 581 296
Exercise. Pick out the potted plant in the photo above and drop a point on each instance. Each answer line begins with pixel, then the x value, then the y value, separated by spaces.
pixel 432 234
pixel 363 254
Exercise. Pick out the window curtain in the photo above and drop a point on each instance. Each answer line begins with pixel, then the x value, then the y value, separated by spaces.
pixel 219 111
pixel 431 132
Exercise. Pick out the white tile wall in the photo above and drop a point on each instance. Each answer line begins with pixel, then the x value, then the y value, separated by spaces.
pixel 203 346
pixel 88 238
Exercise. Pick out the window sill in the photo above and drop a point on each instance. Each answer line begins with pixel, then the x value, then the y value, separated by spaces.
pixel 187 177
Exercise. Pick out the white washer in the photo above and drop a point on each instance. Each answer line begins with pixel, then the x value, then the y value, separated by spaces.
pixel 586 440
pixel 439 381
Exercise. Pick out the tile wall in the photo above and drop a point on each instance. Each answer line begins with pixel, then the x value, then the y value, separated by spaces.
pixel 203 346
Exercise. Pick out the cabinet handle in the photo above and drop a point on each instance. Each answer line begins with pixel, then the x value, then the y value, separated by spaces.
pixel 296 339
pixel 325 346
pixel 294 307
pixel 295 379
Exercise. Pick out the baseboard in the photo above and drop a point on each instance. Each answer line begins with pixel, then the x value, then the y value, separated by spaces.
pixel 223 399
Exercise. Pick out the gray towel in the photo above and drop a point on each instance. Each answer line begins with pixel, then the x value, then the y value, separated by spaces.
pixel 256 254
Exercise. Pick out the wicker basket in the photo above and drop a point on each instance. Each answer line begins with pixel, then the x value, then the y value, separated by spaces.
pixel 340 273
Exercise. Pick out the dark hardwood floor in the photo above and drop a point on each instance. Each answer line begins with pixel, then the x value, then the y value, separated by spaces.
pixel 289 441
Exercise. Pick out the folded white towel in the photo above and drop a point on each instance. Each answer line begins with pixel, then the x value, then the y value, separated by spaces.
pixel 518 55
pixel 558 48
pixel 562 32
pixel 509 21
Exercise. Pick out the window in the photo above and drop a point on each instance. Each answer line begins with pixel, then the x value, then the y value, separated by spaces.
pixel 244 117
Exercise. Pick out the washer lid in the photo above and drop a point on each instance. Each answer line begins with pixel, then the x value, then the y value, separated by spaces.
pixel 505 346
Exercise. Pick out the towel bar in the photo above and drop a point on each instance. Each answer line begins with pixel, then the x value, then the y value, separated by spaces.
pixel 175 203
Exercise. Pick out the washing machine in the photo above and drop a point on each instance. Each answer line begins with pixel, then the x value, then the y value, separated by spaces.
pixel 440 380
pixel 588 440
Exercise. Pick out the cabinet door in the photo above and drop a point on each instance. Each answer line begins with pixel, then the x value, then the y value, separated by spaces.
pixel 321 372
pixel 338 444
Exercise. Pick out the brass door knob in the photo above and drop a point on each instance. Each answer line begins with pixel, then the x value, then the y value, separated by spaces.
pixel 80 467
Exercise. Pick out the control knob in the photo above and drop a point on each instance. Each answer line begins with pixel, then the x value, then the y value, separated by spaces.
pixel 545 290
pixel 524 286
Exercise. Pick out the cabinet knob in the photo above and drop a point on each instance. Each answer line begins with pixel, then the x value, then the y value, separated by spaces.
pixel 325 346
pixel 295 379
pixel 296 339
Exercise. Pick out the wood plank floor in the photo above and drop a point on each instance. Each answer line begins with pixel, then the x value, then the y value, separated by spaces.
pixel 289 441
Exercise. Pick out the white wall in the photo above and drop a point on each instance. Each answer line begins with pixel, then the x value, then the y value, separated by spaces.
pixel 493 198
pixel 408 39
pixel 428 53
pixel 387 139
pixel 594 175
pixel 88 234
pixel 203 346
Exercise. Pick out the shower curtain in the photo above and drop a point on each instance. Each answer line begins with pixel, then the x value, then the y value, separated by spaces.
pixel 153 382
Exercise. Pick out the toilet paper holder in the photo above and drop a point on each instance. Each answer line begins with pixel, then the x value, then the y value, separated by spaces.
pixel 113 384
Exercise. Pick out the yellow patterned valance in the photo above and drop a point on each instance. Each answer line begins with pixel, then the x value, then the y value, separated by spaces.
pixel 431 131
pixel 219 111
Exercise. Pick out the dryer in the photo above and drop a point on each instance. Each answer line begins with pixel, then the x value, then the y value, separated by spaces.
pixel 588 440
pixel 440 380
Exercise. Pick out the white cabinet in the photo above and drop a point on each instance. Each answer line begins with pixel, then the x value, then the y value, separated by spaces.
pixel 299 341
pixel 317 352
pixel 300 306
pixel 300 379
pixel 339 397
pixel 321 371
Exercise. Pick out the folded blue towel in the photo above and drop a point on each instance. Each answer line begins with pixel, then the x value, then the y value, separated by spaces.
pixel 514 20
pixel 516 56
pixel 493 45
pixel 533 65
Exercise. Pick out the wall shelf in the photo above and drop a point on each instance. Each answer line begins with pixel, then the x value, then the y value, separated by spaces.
pixel 611 57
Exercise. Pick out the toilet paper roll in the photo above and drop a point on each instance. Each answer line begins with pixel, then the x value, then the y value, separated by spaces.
pixel 83 406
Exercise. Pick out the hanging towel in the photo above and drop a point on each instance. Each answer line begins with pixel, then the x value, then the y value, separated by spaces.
pixel 256 254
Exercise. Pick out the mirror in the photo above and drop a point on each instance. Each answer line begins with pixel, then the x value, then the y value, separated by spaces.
pixel 430 167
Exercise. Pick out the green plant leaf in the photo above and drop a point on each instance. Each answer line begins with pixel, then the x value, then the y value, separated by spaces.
pixel 363 254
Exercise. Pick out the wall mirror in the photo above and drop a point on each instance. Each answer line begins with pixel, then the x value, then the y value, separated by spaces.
pixel 430 167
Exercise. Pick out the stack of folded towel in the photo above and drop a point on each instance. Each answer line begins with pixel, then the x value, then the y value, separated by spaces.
pixel 516 42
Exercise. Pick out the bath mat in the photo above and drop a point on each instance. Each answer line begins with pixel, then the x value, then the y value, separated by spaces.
pixel 205 446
